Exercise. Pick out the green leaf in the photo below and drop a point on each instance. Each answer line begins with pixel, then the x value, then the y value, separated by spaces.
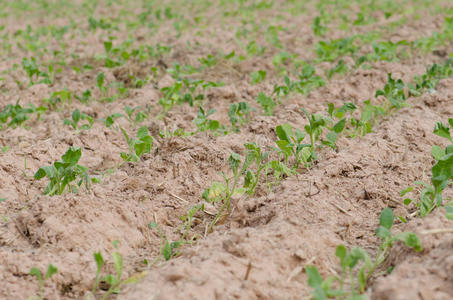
pixel 284 132
pixel 386 218
pixel 341 253
pixel 314 278
pixel 213 125
pixel 36 272
pixel 383 232
pixel 410 239
pixel 152 225
pixel 49 171
pixel 339 126
pixel 234 160
pixel 99 260
pixel 142 132
pixel 118 263
pixel 442 130
pixel 167 250
pixel 76 116
pixel 442 171
pixel 72 155
pixel 449 211
pixel 285 147
pixel 249 178
pixel 437 152
pixel 406 190
pixel 51 270
pixel 407 201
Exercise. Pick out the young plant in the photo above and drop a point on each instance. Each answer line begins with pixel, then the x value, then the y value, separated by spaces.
pixel 63 96
pixel 85 98
pixel 140 116
pixel 356 266
pixel 64 172
pixel 15 115
pixel 254 155
pixel 171 95
pixel 267 103
pixel 42 278
pixel 168 248
pixel 394 93
pixel 308 81
pixel 139 146
pixel 442 173
pixel 338 127
pixel 370 114
pixel 223 192
pixel 100 83
pixel 203 123
pixel 278 170
pixel 317 124
pixel 239 114
pixel 114 281
pixel 290 144
pixel 257 77
pixel 76 117
pixel 110 120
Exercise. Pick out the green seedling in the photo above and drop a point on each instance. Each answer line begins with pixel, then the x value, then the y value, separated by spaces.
pixel 100 83
pixel 267 103
pixel 139 146
pixel 272 35
pixel 442 173
pixel 208 61
pixel 257 77
pixel 188 221
pixel 203 123
pixel 110 120
pixel 254 155
pixel 15 115
pixel 308 81
pixel 171 95
pixel 85 98
pixel 239 114
pixel 290 144
pixel 177 132
pixel 114 281
pixel 394 93
pixel 330 51
pixel 339 68
pixel 430 79
pixel 140 116
pixel 356 266
pixel 42 278
pixel 168 249
pixel 253 49
pixel 316 126
pixel 281 60
pixel 223 192
pixel 64 172
pixel 63 96
pixel 31 68
pixel 77 116
pixel 369 115
pixel 278 170
pixel 339 126
pixel 318 26
pixel 387 50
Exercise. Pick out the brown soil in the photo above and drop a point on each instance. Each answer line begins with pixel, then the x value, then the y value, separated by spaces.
pixel 261 249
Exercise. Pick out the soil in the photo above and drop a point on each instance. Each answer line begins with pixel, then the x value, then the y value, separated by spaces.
pixel 260 250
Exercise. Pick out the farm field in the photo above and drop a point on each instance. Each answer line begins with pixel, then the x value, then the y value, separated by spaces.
pixel 229 149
